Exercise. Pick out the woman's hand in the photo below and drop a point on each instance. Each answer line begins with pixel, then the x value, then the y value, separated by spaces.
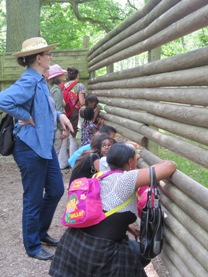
pixel 24 123
pixel 66 124
pixel 64 134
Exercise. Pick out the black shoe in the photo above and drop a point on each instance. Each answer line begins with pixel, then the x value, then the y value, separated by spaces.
pixel 42 255
pixel 50 241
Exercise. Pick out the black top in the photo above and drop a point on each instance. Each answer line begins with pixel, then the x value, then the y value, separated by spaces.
pixel 113 227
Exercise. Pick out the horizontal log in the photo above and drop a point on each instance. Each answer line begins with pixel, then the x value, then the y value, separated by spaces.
pixel 185 149
pixel 191 115
pixel 195 58
pixel 190 242
pixel 178 146
pixel 179 29
pixel 187 77
pixel 175 259
pixel 186 257
pixel 172 269
pixel 191 96
pixel 131 135
pixel 192 208
pixel 194 133
pixel 125 24
pixel 187 221
pixel 166 15
pixel 190 187
pixel 151 23
pixel 141 163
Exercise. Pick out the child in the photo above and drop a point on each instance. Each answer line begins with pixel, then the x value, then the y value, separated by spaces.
pixel 93 102
pixel 88 128
pixel 111 131
pixel 89 162
pixel 56 76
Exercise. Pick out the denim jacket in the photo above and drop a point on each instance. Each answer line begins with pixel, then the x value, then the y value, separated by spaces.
pixel 31 93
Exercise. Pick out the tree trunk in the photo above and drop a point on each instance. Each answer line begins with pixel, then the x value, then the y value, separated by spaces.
pixel 23 22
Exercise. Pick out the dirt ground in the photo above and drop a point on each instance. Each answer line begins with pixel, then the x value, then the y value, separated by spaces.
pixel 13 260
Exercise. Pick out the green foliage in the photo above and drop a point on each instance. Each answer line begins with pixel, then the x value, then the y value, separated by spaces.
pixel 2 29
pixel 187 43
pixel 196 172
pixel 59 23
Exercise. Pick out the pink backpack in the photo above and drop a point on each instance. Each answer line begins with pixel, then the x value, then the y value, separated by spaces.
pixel 84 206
pixel 142 199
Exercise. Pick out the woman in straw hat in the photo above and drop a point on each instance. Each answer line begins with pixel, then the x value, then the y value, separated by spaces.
pixel 29 101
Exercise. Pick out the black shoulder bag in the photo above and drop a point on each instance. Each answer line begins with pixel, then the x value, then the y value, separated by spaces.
pixel 6 132
pixel 6 135
pixel 152 223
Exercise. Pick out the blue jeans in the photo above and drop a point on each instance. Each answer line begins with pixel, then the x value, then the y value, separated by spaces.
pixel 43 188
pixel 135 247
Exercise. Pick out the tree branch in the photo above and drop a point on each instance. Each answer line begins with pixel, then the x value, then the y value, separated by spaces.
pixel 75 7
pixel 132 6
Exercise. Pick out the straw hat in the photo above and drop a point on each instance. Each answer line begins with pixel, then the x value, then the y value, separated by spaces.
pixel 34 46
pixel 55 70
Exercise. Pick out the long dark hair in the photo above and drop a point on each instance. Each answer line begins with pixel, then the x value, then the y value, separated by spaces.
pixel 55 80
pixel 119 154
pixel 88 114
pixel 96 145
pixel 72 73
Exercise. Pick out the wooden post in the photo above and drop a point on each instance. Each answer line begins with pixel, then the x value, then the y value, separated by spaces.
pixel 85 42
pixel 110 68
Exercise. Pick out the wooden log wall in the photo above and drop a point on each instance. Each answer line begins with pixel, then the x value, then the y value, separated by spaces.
pixel 164 102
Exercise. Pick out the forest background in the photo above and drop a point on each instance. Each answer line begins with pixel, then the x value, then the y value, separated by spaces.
pixel 67 22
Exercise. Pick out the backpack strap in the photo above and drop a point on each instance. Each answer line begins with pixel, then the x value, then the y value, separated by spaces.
pixel 110 172
pixel 68 89
pixel 118 208
pixel 73 84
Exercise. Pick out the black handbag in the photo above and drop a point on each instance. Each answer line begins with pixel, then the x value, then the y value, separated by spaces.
pixel 6 132
pixel 6 135
pixel 152 222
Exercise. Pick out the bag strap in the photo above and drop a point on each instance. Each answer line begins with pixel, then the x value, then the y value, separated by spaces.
pixel 70 87
pixel 93 170
pixel 31 107
pixel 109 173
pixel 153 190
pixel 73 84
pixel 154 182
pixel 116 209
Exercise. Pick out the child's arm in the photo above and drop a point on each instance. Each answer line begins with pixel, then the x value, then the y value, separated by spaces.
pixel 100 123
pixel 94 129
pixel 96 112
pixel 81 99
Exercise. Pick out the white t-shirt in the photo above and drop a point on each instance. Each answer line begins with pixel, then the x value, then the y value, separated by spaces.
pixel 103 165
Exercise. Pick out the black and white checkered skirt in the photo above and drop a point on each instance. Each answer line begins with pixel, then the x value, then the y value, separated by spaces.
pixel 81 255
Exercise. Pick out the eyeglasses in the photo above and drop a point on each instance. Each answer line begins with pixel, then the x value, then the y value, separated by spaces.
pixel 106 146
